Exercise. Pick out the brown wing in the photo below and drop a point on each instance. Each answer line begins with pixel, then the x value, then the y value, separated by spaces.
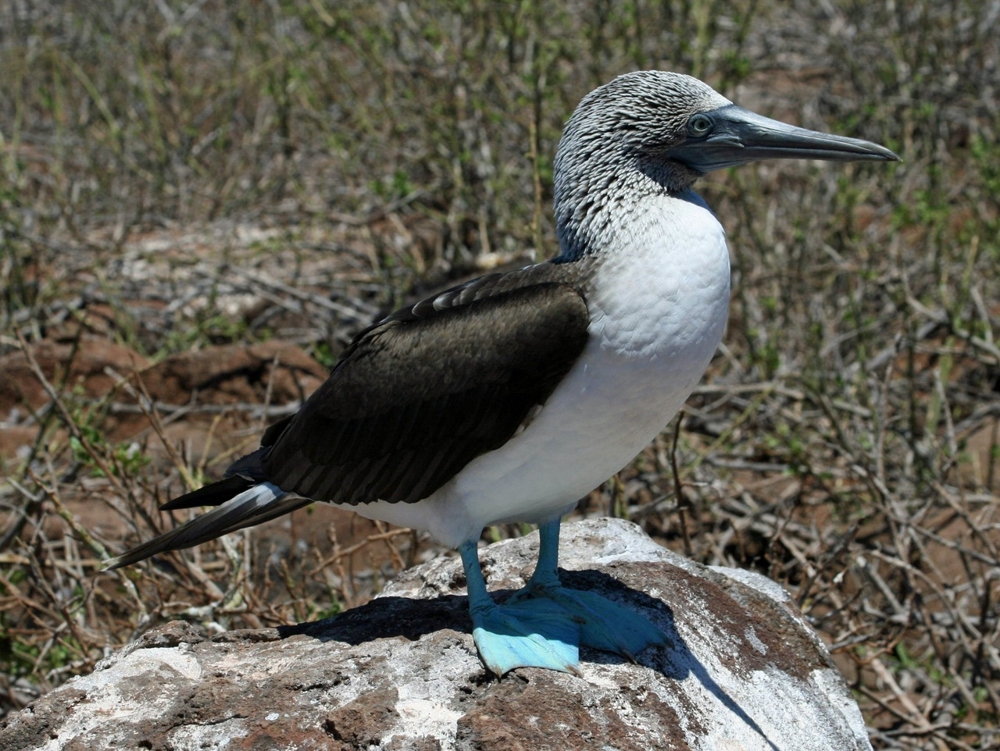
pixel 418 396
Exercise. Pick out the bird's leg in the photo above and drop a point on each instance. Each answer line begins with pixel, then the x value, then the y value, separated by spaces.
pixel 534 633
pixel 545 574
pixel 604 624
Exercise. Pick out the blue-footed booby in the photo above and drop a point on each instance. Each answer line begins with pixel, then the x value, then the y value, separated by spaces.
pixel 510 397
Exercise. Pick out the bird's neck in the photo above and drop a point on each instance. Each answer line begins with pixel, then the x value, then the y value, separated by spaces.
pixel 594 206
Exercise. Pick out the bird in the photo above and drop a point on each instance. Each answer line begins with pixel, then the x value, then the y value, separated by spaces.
pixel 510 397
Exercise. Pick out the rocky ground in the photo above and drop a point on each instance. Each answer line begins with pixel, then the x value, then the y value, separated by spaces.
pixel 743 669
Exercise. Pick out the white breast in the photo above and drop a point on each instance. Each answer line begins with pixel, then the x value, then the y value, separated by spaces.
pixel 658 305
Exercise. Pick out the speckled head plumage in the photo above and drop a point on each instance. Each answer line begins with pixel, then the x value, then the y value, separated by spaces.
pixel 636 117
pixel 656 132
pixel 614 144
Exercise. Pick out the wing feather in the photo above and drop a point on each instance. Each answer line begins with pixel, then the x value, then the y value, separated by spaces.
pixel 418 396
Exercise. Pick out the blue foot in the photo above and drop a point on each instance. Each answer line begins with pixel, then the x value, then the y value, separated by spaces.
pixel 543 624
pixel 531 634
pixel 603 624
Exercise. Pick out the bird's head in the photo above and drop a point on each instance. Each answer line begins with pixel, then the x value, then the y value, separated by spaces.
pixel 659 131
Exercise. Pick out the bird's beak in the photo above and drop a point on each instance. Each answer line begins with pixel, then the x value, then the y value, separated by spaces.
pixel 738 136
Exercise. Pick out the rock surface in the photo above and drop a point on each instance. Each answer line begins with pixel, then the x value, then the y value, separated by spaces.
pixel 744 672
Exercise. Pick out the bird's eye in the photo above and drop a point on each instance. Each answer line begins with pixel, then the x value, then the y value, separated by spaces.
pixel 699 125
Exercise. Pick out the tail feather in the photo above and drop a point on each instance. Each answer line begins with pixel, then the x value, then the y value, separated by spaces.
pixel 253 505
pixel 211 495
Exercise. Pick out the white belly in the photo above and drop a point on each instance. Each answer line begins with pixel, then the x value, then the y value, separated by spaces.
pixel 657 316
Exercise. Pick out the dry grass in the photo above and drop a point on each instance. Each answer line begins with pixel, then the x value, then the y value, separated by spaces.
pixel 179 176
